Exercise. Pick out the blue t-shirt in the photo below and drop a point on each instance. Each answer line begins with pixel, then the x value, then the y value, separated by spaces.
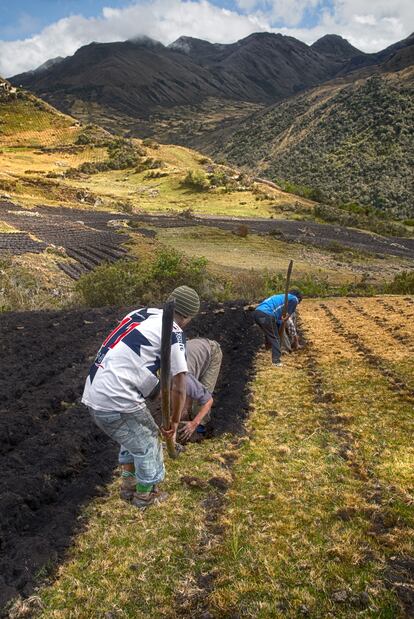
pixel 274 305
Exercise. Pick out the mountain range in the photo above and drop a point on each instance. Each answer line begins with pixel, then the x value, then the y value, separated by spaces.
pixel 259 95
pixel 133 80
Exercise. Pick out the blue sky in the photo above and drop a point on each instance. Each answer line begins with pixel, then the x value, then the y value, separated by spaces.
pixel 32 31
pixel 24 18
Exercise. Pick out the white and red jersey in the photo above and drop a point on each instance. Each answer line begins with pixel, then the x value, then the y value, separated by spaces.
pixel 124 371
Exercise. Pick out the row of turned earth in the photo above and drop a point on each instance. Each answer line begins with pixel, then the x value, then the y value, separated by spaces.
pixel 53 459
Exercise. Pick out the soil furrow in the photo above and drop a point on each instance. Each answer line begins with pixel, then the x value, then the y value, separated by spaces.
pixel 390 375
pixel 194 602
pixel 398 337
pixel 398 574
pixel 54 458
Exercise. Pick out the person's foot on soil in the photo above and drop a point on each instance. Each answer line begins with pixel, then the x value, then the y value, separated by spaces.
pixel 142 500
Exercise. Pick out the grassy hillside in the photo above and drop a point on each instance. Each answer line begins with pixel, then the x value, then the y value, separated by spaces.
pixel 25 119
pixel 350 142
pixel 47 158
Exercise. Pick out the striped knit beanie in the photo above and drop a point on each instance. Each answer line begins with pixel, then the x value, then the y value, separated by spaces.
pixel 187 301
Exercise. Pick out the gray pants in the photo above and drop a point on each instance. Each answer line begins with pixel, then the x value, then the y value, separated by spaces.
pixel 209 378
pixel 269 327
pixel 138 435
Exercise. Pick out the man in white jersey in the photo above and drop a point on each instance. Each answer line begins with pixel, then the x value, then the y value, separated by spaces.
pixel 123 376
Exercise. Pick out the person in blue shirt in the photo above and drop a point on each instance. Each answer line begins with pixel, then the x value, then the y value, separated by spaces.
pixel 268 315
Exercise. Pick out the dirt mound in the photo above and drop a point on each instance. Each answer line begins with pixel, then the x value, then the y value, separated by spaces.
pixel 53 458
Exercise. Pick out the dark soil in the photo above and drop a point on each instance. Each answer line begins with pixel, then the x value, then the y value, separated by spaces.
pixel 19 243
pixel 400 577
pixel 87 239
pixel 84 235
pixel 53 458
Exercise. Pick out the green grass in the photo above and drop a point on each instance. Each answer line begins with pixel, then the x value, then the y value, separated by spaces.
pixel 30 115
pixel 131 563
pixel 228 253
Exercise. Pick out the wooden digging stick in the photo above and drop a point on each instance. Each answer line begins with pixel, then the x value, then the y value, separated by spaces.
pixel 285 306
pixel 165 372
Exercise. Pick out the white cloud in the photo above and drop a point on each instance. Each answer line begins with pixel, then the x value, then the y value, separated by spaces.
pixel 163 20
pixel 368 24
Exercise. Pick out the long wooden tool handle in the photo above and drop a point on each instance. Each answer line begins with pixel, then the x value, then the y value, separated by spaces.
pixel 285 306
pixel 165 372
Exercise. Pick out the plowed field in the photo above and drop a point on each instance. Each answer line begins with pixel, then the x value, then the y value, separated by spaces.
pixel 53 459
pixel 308 515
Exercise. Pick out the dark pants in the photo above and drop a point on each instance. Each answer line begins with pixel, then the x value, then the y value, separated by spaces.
pixel 269 327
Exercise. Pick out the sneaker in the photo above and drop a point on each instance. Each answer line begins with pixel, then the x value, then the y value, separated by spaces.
pixel 277 364
pixel 128 486
pixel 142 500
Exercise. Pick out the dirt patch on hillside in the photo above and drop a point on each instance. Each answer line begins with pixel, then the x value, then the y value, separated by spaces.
pixel 53 458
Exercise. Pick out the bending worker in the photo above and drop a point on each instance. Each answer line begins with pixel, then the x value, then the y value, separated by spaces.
pixel 197 395
pixel 123 376
pixel 268 315
pixel 204 359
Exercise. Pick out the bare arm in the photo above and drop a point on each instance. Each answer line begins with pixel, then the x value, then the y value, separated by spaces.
pixel 203 412
pixel 178 397
pixel 191 426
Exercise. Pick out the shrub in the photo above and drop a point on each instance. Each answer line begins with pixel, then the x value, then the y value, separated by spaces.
pixel 187 213
pixel 156 174
pixel 122 154
pixel 311 193
pixel 196 179
pixel 121 283
pixel 129 282
pixel 403 283
pixel 92 134
pixel 150 143
pixel 355 219
pixel 149 163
